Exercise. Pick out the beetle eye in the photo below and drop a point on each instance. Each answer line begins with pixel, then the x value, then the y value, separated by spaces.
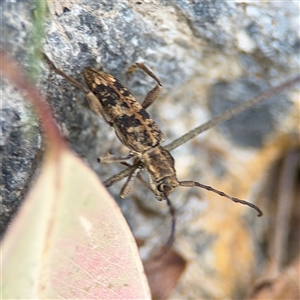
pixel 161 187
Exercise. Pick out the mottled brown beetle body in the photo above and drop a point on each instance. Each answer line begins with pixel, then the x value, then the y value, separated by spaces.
pixel 136 130
pixel 132 123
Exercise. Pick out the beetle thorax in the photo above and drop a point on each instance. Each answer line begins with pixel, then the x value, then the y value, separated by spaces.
pixel 159 164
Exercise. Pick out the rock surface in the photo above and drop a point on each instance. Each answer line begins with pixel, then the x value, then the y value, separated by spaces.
pixel 208 56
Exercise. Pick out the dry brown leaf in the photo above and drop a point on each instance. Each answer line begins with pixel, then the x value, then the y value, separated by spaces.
pixel 163 273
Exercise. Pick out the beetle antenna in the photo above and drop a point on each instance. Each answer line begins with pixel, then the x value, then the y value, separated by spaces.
pixel 63 74
pixel 211 189
pixel 173 216
pixel 171 238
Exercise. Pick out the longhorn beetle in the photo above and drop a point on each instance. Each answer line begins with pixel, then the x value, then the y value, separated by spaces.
pixel 111 101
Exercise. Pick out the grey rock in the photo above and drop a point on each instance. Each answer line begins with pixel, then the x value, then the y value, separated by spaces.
pixel 208 55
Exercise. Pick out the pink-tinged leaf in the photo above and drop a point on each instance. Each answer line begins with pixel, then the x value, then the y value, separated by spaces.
pixel 70 240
